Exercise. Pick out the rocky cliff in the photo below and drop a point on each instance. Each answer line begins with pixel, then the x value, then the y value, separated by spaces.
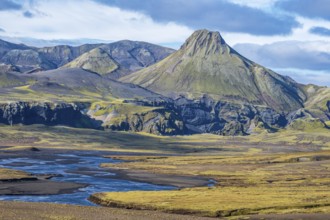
pixel 46 113
pixel 184 116
pixel 178 117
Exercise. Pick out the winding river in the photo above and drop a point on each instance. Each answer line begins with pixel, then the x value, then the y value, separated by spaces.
pixel 79 168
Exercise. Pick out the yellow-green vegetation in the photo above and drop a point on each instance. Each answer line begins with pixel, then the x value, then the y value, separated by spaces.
pixel 318 97
pixel 307 124
pixel 10 174
pixel 205 64
pixel 25 93
pixel 7 80
pixel 120 108
pixel 87 139
pixel 96 60
pixel 282 172
pixel 226 201
pixel 260 168
pixel 256 183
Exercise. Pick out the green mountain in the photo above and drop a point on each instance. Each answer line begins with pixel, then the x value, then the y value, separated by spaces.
pixel 96 60
pixel 205 87
pixel 205 64
pixel 318 101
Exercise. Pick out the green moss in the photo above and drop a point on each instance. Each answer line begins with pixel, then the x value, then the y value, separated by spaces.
pixel 307 124
pixel 120 108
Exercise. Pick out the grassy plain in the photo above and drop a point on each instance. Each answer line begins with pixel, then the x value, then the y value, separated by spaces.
pixel 257 183
pixel 282 173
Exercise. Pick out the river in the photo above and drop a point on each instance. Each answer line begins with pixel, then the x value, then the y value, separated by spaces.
pixel 74 167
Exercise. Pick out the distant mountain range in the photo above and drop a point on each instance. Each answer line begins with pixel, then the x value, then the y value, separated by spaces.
pixel 204 87
pixel 128 56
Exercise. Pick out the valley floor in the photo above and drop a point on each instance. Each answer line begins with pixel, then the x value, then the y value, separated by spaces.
pixel 283 175
pixel 48 211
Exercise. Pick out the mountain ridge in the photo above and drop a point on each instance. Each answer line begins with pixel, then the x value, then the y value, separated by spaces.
pixel 129 55
pixel 204 87
pixel 205 64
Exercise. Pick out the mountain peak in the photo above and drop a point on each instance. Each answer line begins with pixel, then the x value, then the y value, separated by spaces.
pixel 204 42
pixel 205 64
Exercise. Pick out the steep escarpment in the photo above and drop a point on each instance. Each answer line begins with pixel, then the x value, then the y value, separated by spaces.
pixel 204 115
pixel 205 64
pixel 160 121
pixel 46 113
pixel 219 117
pixel 133 115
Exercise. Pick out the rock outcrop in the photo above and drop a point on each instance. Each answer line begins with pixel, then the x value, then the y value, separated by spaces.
pixel 160 122
pixel 184 116
pixel 46 113
pixel 224 118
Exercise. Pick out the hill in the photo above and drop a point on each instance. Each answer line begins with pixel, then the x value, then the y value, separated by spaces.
pixel 96 60
pixel 205 64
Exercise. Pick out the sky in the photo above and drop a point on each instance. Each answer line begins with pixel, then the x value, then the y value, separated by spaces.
pixel 291 37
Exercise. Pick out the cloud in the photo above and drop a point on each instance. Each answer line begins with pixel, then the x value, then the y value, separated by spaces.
pixel 2 30
pixel 320 31
pixel 77 19
pixel 304 76
pixel 49 43
pixel 28 14
pixel 289 54
pixel 262 4
pixel 9 5
pixel 307 8
pixel 213 14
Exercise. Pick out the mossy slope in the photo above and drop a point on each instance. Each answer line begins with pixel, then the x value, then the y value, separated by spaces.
pixel 205 64
pixel 96 60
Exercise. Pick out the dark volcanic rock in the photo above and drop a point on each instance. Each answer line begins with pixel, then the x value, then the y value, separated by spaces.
pixel 160 122
pixel 224 118
pixel 45 113
pixel 183 116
